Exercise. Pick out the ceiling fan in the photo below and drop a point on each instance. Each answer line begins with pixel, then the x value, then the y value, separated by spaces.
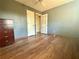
pixel 40 2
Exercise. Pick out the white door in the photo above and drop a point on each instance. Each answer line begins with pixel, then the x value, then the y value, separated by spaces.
pixel 30 23
pixel 44 20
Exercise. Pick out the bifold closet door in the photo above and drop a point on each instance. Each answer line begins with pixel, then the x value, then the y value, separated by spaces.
pixel 30 23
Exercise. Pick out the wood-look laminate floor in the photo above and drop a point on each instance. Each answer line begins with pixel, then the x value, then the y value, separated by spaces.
pixel 42 47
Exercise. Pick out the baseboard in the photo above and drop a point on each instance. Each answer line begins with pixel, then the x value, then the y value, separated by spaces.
pixel 21 38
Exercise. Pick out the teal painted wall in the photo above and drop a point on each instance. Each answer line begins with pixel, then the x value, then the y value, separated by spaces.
pixel 64 20
pixel 10 9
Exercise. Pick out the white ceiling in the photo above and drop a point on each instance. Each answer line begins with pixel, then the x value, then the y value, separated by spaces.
pixel 44 4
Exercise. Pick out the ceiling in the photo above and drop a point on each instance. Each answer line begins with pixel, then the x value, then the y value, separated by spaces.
pixel 43 5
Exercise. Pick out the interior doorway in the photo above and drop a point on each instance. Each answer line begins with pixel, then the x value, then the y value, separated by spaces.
pixel 44 23
pixel 36 23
